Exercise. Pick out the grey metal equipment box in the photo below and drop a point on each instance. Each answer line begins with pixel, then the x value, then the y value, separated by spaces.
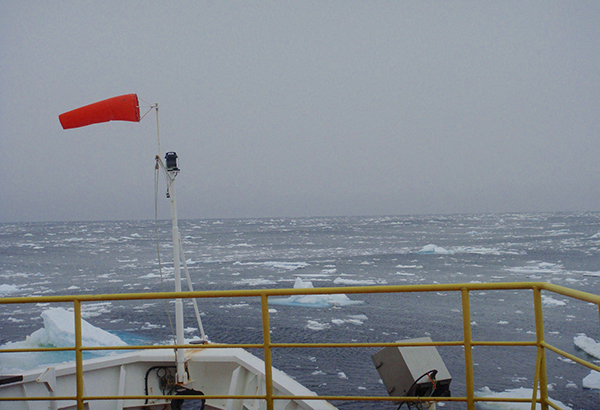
pixel 403 370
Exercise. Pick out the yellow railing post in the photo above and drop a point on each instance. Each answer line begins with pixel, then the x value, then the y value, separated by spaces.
pixel 267 348
pixel 468 343
pixel 78 354
pixel 539 333
pixel 536 377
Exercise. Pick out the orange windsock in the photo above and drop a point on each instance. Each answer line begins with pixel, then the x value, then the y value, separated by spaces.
pixel 122 108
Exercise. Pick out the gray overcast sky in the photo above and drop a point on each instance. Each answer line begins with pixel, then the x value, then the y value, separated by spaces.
pixel 302 108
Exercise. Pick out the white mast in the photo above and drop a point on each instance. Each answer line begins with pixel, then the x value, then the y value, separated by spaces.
pixel 172 171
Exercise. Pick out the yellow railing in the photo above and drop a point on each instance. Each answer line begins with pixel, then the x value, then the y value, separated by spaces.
pixel 540 375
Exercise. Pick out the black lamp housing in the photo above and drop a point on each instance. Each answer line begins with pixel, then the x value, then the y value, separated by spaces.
pixel 171 159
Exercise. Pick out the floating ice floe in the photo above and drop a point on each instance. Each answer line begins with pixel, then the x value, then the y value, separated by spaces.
pixel 315 325
pixel 150 276
pixel 434 249
pixel 537 268
pixel 96 309
pixel 254 282
pixel 6 289
pixel 234 305
pixel 478 250
pixel 342 281
pixel 592 380
pixel 587 344
pixel 313 300
pixel 276 265
pixel 287 265
pixel 520 393
pixel 151 326
pixel 240 245
pixel 352 319
pixel 59 331
pixel 550 301
pixel 595 274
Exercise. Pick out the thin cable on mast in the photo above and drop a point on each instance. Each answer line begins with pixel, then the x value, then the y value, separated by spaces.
pixel 157 130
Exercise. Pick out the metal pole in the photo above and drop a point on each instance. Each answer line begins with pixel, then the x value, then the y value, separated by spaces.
pixel 539 332
pixel 78 355
pixel 466 306
pixel 268 359
pixel 180 353
pixel 536 377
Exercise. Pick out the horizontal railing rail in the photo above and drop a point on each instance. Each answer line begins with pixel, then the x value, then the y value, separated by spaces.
pixel 540 376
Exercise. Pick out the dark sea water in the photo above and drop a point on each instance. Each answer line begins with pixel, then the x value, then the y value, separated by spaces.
pixel 121 257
